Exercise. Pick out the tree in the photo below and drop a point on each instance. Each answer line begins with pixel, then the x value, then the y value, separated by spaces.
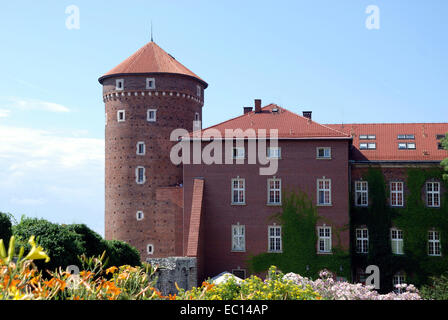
pixel 121 253
pixel 5 227
pixel 61 243
pixel 93 243
pixel 444 163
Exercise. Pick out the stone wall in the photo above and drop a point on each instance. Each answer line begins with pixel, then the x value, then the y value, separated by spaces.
pixel 172 270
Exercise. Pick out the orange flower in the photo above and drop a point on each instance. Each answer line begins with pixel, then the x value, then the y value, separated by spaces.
pixel 111 270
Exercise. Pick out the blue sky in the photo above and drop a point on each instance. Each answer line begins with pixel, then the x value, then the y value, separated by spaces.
pixel 303 55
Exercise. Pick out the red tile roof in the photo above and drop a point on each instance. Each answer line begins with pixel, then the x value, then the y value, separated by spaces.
pixel 288 124
pixel 151 59
pixel 386 134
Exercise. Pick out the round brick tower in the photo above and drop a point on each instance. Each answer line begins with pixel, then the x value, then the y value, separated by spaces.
pixel 146 97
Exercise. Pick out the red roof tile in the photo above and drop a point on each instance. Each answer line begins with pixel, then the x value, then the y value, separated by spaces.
pixel 151 59
pixel 386 134
pixel 288 124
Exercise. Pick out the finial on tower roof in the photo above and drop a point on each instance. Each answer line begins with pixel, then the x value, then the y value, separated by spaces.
pixel 152 40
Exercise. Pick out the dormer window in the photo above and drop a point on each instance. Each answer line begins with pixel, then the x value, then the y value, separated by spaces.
pixel 364 146
pixel 150 83
pixel 367 137
pixel 406 137
pixel 119 84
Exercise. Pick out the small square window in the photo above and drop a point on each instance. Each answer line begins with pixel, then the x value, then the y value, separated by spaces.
pixel 150 249
pixel 411 146
pixel 274 152
pixel 151 115
pixel 238 153
pixel 121 116
pixel 119 84
pixel 363 146
pixel 371 145
pixel 363 137
pixel 402 146
pixel 323 153
pixel 150 83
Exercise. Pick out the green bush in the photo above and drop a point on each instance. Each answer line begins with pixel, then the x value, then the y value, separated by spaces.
pixel 93 243
pixel 437 290
pixel 5 227
pixel 121 253
pixel 63 245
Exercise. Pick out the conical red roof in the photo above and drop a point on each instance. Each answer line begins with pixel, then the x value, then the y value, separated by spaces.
pixel 150 59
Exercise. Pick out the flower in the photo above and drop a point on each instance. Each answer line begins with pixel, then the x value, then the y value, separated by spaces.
pixel 36 252
pixel 111 270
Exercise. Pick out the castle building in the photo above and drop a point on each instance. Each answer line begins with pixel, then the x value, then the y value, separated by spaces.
pixel 222 214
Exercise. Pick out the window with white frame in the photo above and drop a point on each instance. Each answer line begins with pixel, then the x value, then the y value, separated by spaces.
pixel 323 153
pixel 151 115
pixel 362 240
pixel 274 152
pixel 197 117
pixel 150 249
pixel 121 116
pixel 274 191
pixel 141 148
pixel 324 191
pixel 398 280
pixel 396 238
pixel 361 193
pixel 150 83
pixel 434 243
pixel 140 215
pixel 433 194
pixel 119 84
pixel 140 177
pixel 396 194
pixel 275 238
pixel 324 238
pixel 238 191
pixel 198 90
pixel 238 238
pixel 238 153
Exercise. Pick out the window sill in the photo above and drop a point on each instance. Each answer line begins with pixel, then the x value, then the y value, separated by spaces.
pixel 324 205
pixel 275 251
pixel 238 251
pixel 274 204
pixel 238 204
pixel 317 158
pixel 324 253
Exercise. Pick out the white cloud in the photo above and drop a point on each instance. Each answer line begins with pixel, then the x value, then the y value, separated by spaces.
pixel 57 177
pixel 35 104
pixel 4 113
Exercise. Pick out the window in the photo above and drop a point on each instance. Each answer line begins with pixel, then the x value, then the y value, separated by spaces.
pixel 238 191
pixel 238 153
pixel 121 115
pixel 197 117
pixel 140 175
pixel 396 194
pixel 274 152
pixel 433 194
pixel 323 153
pixel 367 137
pixel 364 146
pixel 406 137
pixel 238 238
pixel 150 249
pixel 324 239
pixel 151 115
pixel 440 136
pixel 274 191
pixel 396 237
pixel 404 145
pixel 434 243
pixel 240 273
pixel 397 281
pixel 119 84
pixel 198 91
pixel 324 191
pixel 362 240
pixel 361 193
pixel 439 146
pixel 140 215
pixel 150 83
pixel 275 238
pixel 141 148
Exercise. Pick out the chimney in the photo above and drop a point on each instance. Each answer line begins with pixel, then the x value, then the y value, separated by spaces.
pixel 247 109
pixel 257 105
pixel 307 114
